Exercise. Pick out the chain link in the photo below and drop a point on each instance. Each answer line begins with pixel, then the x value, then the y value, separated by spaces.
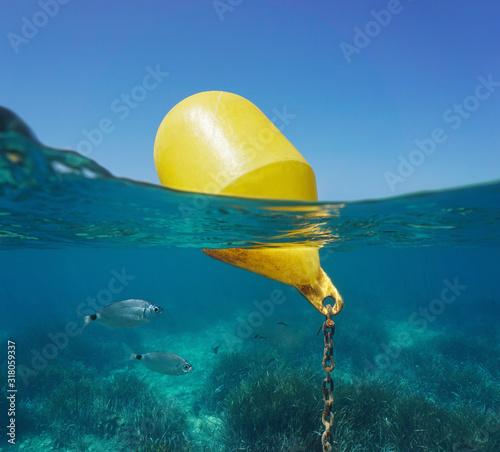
pixel 328 366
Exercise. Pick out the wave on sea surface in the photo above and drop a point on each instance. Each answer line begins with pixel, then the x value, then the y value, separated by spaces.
pixel 51 198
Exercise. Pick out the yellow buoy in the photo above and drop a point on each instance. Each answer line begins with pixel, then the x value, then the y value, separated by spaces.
pixel 220 143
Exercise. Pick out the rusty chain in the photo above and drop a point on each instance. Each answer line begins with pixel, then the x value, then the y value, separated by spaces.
pixel 328 366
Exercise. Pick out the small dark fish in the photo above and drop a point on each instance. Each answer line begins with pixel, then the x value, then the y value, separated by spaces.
pixel 282 323
pixel 272 360
pixel 258 336
pixel 215 349
pixel 219 388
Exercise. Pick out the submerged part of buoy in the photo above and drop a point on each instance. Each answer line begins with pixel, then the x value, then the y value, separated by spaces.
pixel 220 143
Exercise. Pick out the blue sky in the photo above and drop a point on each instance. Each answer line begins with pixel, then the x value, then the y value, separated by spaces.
pixel 381 97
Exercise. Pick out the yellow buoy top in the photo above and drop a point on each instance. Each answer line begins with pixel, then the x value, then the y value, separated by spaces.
pixel 220 143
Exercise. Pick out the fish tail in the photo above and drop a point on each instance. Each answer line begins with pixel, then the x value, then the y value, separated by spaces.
pixel 129 354
pixel 86 318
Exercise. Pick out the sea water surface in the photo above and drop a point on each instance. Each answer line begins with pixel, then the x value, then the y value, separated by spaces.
pixel 416 346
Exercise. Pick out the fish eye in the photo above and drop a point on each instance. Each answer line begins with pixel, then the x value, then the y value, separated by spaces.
pixel 156 309
pixel 186 367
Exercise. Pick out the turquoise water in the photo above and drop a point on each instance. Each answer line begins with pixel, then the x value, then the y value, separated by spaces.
pixel 416 346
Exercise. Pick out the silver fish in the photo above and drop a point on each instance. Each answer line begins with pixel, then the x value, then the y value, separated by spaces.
pixel 161 362
pixel 124 314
